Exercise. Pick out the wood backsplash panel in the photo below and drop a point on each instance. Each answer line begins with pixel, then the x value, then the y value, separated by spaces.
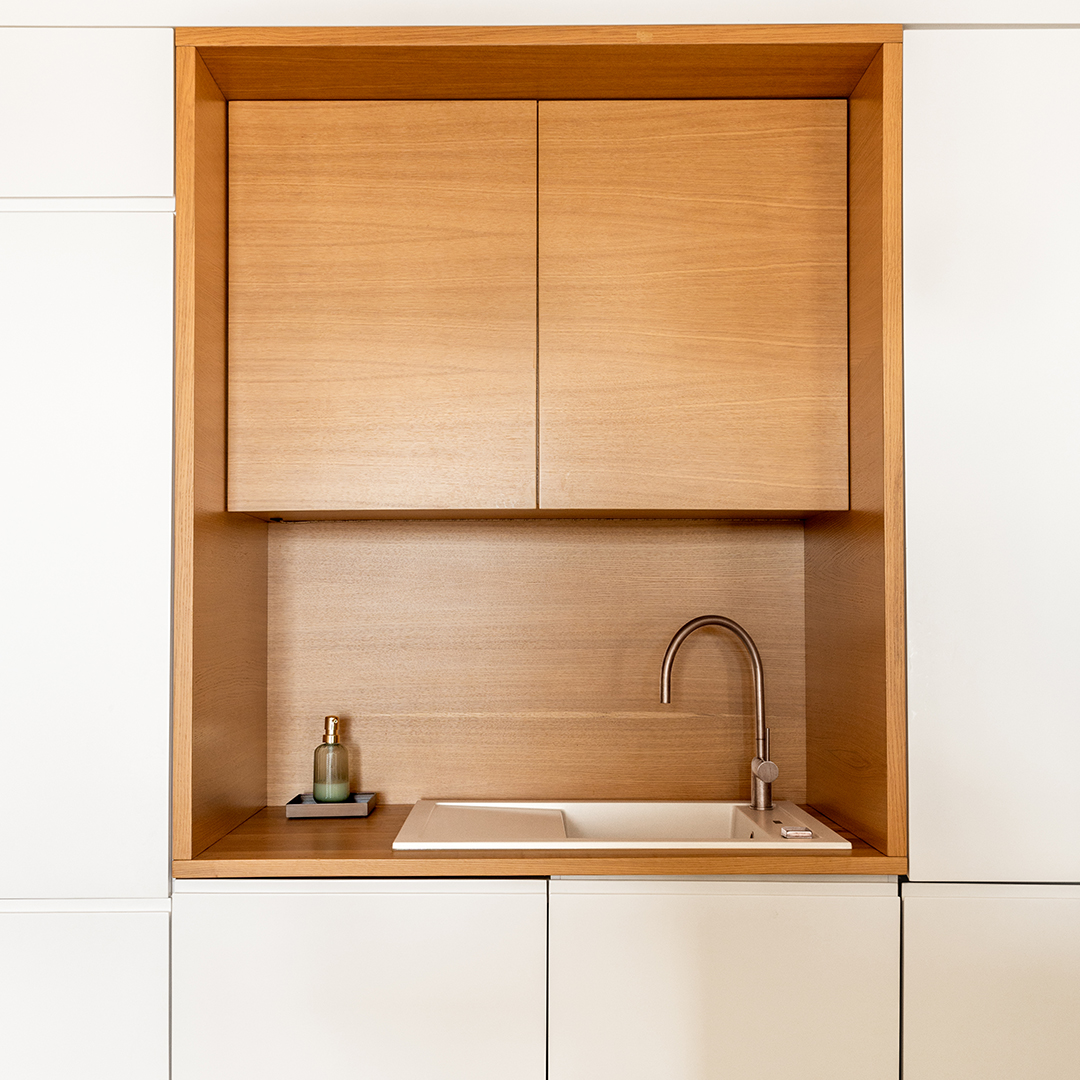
pixel 521 658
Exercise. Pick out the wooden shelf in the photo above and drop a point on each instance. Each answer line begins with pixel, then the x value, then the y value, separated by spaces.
pixel 552 62
pixel 583 513
pixel 268 845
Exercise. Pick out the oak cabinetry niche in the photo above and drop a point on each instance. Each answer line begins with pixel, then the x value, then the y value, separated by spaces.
pixel 673 300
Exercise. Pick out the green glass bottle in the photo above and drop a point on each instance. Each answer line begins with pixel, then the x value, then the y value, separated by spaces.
pixel 331 765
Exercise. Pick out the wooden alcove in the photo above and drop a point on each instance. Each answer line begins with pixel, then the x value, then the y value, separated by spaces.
pixel 259 641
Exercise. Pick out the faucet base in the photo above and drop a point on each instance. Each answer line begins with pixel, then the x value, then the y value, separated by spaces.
pixel 763 772
pixel 760 790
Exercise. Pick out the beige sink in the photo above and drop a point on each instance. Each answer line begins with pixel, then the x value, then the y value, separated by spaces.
pixel 457 824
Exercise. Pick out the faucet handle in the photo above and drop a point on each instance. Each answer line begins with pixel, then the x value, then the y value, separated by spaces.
pixel 765 771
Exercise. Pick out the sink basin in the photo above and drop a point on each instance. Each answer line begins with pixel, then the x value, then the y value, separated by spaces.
pixel 458 825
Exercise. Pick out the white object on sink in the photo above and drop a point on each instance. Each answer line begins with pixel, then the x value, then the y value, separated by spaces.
pixel 456 824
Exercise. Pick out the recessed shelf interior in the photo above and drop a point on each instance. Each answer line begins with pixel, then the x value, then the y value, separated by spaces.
pixel 515 654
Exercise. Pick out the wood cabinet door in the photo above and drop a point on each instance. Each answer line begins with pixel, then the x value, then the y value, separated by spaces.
pixel 382 305
pixel 693 304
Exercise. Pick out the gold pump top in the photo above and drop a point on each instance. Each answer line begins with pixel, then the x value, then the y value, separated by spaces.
pixel 332 725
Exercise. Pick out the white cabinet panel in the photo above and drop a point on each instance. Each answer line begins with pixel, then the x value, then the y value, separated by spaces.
pixel 85 555
pixel 376 980
pixel 992 410
pixel 709 980
pixel 991 982
pixel 84 994
pixel 86 112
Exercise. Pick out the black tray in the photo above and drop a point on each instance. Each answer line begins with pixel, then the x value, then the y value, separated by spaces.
pixel 358 804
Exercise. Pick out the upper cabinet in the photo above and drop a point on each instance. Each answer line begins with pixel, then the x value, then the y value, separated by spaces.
pixel 553 305
pixel 693 304
pixel 87 112
pixel 382 304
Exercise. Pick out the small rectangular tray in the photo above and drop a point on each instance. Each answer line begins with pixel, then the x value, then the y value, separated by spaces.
pixel 358 804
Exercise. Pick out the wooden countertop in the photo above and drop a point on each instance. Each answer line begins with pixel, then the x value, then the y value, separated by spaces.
pixel 269 845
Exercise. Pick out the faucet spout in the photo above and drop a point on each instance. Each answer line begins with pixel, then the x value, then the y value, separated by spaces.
pixel 762 771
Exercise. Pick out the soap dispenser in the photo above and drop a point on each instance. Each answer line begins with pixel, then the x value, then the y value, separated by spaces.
pixel 331 765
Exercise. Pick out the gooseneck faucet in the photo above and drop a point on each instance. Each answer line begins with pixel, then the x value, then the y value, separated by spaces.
pixel 762 771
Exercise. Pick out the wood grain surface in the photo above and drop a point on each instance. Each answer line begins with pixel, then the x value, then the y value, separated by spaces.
pixel 219 667
pixel 268 845
pixel 521 659
pixel 382 305
pixel 458 68
pixel 856 711
pixel 324 36
pixel 725 514
pixel 693 309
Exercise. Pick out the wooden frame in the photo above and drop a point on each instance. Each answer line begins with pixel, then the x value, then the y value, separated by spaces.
pixel 219 663
pixel 855 561
pixel 854 584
